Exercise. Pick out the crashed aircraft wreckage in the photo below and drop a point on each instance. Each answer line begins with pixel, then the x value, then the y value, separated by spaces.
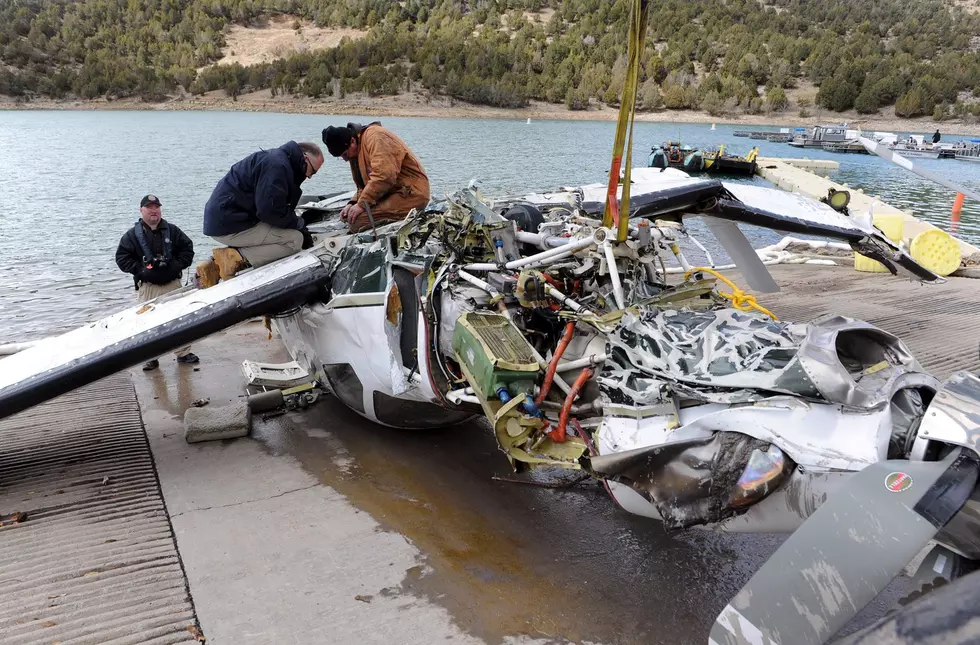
pixel 694 408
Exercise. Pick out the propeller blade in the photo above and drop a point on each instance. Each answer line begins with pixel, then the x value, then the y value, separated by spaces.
pixel 892 156
pixel 847 552
pixel 740 250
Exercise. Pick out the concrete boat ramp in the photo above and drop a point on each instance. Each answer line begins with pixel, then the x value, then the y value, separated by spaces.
pixel 323 528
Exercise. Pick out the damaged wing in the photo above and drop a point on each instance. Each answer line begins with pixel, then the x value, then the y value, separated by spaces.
pixel 62 363
pixel 837 562
pixel 791 213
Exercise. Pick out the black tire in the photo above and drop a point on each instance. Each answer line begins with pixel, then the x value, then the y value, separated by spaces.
pixel 528 217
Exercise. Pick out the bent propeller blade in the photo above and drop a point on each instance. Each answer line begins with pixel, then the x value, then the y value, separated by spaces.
pixel 740 250
pixel 897 159
pixel 847 552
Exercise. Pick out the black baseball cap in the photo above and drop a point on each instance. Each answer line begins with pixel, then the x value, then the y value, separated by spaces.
pixel 150 199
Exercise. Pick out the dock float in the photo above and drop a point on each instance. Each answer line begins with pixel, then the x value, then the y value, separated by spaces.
pixel 798 176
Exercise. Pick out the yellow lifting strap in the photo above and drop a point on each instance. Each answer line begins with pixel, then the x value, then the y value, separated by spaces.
pixel 617 211
pixel 740 300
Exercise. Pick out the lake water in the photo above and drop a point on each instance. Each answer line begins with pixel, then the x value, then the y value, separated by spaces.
pixel 70 184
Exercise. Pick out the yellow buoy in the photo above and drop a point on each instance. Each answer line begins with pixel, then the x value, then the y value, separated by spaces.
pixel 937 251
pixel 893 226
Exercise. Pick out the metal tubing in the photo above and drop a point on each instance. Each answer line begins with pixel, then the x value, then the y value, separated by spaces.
pixel 680 256
pixel 559 433
pixel 567 249
pixel 562 298
pixel 554 258
pixel 579 363
pixel 614 275
pixel 477 282
pixel 583 408
pixel 463 394
pixel 541 240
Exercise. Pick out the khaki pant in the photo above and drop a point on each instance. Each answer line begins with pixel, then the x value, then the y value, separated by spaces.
pixel 149 291
pixel 392 208
pixel 263 244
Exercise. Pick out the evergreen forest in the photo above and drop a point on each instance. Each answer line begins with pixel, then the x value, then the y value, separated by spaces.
pixel 721 56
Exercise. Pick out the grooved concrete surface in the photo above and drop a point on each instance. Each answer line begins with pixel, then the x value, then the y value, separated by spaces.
pixel 937 322
pixel 95 560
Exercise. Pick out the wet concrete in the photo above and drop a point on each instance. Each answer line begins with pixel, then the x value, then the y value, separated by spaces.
pixel 512 559
pixel 506 560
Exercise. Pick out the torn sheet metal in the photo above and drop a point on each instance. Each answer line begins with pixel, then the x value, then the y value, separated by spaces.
pixel 698 481
pixel 731 356
pixel 734 356
pixel 954 415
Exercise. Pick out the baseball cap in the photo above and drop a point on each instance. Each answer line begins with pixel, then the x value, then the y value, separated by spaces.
pixel 150 199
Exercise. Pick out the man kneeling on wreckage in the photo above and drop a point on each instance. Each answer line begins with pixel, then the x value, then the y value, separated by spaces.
pixel 389 178
pixel 253 210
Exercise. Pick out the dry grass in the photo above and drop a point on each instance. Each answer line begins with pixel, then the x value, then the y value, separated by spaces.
pixel 275 37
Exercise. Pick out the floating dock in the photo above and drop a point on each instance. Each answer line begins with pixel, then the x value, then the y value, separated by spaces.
pixel 798 176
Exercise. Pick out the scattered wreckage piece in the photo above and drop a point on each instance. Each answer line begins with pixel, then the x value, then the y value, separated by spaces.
pixel 215 423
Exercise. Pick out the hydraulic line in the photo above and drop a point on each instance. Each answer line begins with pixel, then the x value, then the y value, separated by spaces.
pixel 558 434
pixel 553 365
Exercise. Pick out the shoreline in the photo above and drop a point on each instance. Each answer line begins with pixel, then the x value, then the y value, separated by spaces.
pixel 414 105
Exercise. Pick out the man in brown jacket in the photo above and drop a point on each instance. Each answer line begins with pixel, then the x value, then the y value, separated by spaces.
pixel 390 179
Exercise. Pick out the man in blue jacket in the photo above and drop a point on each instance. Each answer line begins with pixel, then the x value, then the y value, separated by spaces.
pixel 252 210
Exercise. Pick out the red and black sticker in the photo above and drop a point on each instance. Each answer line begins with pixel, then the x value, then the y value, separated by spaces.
pixel 898 482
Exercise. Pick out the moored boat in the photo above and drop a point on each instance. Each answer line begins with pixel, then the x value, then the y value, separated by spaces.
pixel 672 154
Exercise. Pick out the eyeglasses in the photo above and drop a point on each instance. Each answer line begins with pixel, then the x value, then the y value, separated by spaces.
pixel 310 168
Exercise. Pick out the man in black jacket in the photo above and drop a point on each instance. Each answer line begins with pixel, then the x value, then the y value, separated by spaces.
pixel 155 252
pixel 253 210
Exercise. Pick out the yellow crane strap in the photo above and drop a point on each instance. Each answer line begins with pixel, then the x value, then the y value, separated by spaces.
pixel 617 211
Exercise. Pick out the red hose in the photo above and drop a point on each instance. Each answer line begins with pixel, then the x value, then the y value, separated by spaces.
pixel 555 283
pixel 559 433
pixel 553 365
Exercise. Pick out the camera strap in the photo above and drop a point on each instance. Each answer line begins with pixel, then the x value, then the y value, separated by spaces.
pixel 145 244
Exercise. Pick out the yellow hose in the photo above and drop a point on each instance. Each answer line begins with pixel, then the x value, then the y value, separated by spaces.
pixel 740 300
